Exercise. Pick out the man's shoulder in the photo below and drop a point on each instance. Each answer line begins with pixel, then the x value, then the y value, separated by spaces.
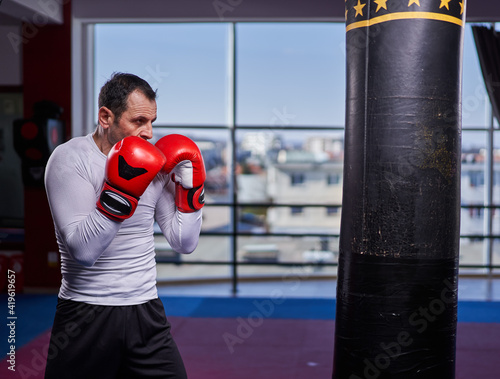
pixel 75 146
pixel 77 149
pixel 75 142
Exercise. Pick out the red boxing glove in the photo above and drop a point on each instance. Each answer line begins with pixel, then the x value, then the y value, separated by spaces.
pixel 186 168
pixel 131 165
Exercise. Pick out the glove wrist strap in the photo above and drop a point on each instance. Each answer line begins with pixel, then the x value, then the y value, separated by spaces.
pixel 115 204
pixel 189 200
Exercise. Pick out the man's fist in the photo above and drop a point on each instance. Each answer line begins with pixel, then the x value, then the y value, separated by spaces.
pixel 186 168
pixel 131 165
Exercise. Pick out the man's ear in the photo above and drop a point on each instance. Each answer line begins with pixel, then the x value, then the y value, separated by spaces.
pixel 105 117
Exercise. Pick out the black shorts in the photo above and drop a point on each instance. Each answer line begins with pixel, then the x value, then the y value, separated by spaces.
pixel 94 341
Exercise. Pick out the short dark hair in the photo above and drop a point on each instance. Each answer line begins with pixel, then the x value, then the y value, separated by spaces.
pixel 114 93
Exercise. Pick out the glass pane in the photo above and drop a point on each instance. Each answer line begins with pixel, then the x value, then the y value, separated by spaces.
pixel 289 220
pixel 496 168
pixel 167 272
pixel 463 271
pixel 290 276
pixel 187 63
pixel 173 266
pixel 216 219
pixel 473 183
pixel 259 249
pixel 472 221
pixel 252 219
pixel 473 179
pixel 215 148
pixel 290 74
pixel 472 251
pixel 473 143
pixel 304 220
pixel 496 251
pixel 476 108
pixel 290 167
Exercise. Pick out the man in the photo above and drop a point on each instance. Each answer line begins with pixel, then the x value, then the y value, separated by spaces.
pixel 105 190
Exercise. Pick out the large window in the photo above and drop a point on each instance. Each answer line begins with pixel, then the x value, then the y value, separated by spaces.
pixel 266 104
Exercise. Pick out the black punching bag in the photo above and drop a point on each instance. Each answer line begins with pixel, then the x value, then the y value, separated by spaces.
pixel 399 241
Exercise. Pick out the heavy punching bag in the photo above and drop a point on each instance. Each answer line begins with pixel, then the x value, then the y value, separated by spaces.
pixel 399 239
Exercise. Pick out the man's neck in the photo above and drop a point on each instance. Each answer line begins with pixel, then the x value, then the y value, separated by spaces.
pixel 100 140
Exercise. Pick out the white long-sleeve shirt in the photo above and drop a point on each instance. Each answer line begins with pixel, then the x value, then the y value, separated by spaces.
pixel 103 261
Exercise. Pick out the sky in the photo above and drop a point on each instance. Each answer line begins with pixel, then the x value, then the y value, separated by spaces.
pixel 287 74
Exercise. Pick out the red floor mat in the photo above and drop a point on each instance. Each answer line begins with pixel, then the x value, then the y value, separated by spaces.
pixel 246 348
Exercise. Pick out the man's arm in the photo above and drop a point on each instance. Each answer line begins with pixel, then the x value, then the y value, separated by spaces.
pixel 85 231
pixel 182 230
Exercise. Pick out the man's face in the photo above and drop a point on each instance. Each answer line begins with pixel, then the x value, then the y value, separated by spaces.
pixel 137 120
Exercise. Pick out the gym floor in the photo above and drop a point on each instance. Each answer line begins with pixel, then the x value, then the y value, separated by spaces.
pixel 269 329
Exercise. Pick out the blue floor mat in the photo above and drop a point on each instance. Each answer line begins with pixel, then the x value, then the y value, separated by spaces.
pixel 298 308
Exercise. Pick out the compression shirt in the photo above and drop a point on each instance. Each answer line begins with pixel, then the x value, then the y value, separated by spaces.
pixel 103 261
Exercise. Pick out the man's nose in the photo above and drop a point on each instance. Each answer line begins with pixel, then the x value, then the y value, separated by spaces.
pixel 147 131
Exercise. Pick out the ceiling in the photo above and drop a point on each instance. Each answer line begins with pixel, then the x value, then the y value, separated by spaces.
pixel 12 12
